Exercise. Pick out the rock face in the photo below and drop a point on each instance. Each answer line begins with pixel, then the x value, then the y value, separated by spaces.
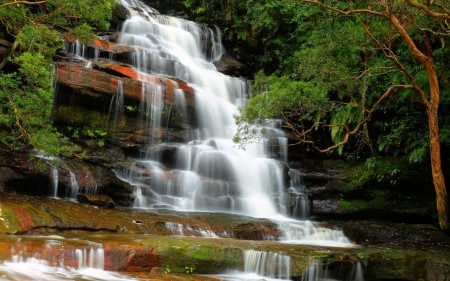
pixel 341 190
pixel 85 96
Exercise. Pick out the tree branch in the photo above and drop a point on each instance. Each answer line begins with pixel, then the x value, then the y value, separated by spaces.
pixel 445 15
pixel 342 12
pixel 11 52
pixel 301 136
pixel 23 2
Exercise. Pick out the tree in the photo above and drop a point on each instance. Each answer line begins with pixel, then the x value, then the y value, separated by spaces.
pixel 403 38
pixel 26 89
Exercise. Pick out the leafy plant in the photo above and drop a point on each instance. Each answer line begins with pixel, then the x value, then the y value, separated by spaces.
pixel 189 269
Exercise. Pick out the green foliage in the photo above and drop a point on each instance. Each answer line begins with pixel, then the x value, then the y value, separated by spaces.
pixel 40 40
pixel 275 96
pixel 26 99
pixel 83 32
pixel 26 95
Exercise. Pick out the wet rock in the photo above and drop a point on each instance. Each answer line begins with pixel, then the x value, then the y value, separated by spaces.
pixel 121 12
pixel 102 45
pixel 93 179
pixel 327 207
pixel 92 81
pixel 230 66
pixel 166 154
pixel 107 157
pixel 394 234
pixel 8 174
pixel 100 200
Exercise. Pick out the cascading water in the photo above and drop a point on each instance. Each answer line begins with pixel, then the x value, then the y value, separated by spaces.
pixel 45 265
pixel 209 173
pixel 349 271
pixel 186 50
pixel 54 181
pixel 272 265
pixel 74 188
pixel 116 108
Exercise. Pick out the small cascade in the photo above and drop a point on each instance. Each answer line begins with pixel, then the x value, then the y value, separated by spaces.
pixel 299 201
pixel 344 271
pixel 151 109
pixel 186 230
pixel 73 187
pixel 48 264
pixel 116 108
pixel 54 181
pixel 90 258
pixel 308 232
pixel 83 52
pixel 140 201
pixel 283 146
pixel 267 264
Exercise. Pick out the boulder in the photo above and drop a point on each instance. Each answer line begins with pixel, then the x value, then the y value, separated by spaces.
pixel 230 66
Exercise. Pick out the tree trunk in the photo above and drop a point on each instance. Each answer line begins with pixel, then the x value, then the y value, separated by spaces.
pixel 435 148
pixel 438 177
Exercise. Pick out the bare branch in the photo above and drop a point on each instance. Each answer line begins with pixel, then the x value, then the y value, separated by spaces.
pixel 301 135
pixel 430 13
pixel 342 12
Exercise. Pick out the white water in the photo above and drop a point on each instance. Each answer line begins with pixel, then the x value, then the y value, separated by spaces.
pixel 116 108
pixel 179 229
pixel 351 271
pixel 54 180
pixel 73 187
pixel 269 264
pixel 44 266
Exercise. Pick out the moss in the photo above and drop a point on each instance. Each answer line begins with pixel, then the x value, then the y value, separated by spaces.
pixel 377 203
pixel 202 253
pixel 81 117
pixel 9 222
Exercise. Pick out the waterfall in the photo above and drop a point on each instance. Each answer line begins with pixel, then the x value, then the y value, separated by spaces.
pixel 151 108
pixel 73 187
pixel 116 108
pixel 345 271
pixel 90 258
pixel 54 181
pixel 238 181
pixel 268 264
pixel 206 172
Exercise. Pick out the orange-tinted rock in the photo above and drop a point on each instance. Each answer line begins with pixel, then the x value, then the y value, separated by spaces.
pixel 103 45
pixel 80 78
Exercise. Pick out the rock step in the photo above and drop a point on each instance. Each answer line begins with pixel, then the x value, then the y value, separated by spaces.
pixel 161 254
